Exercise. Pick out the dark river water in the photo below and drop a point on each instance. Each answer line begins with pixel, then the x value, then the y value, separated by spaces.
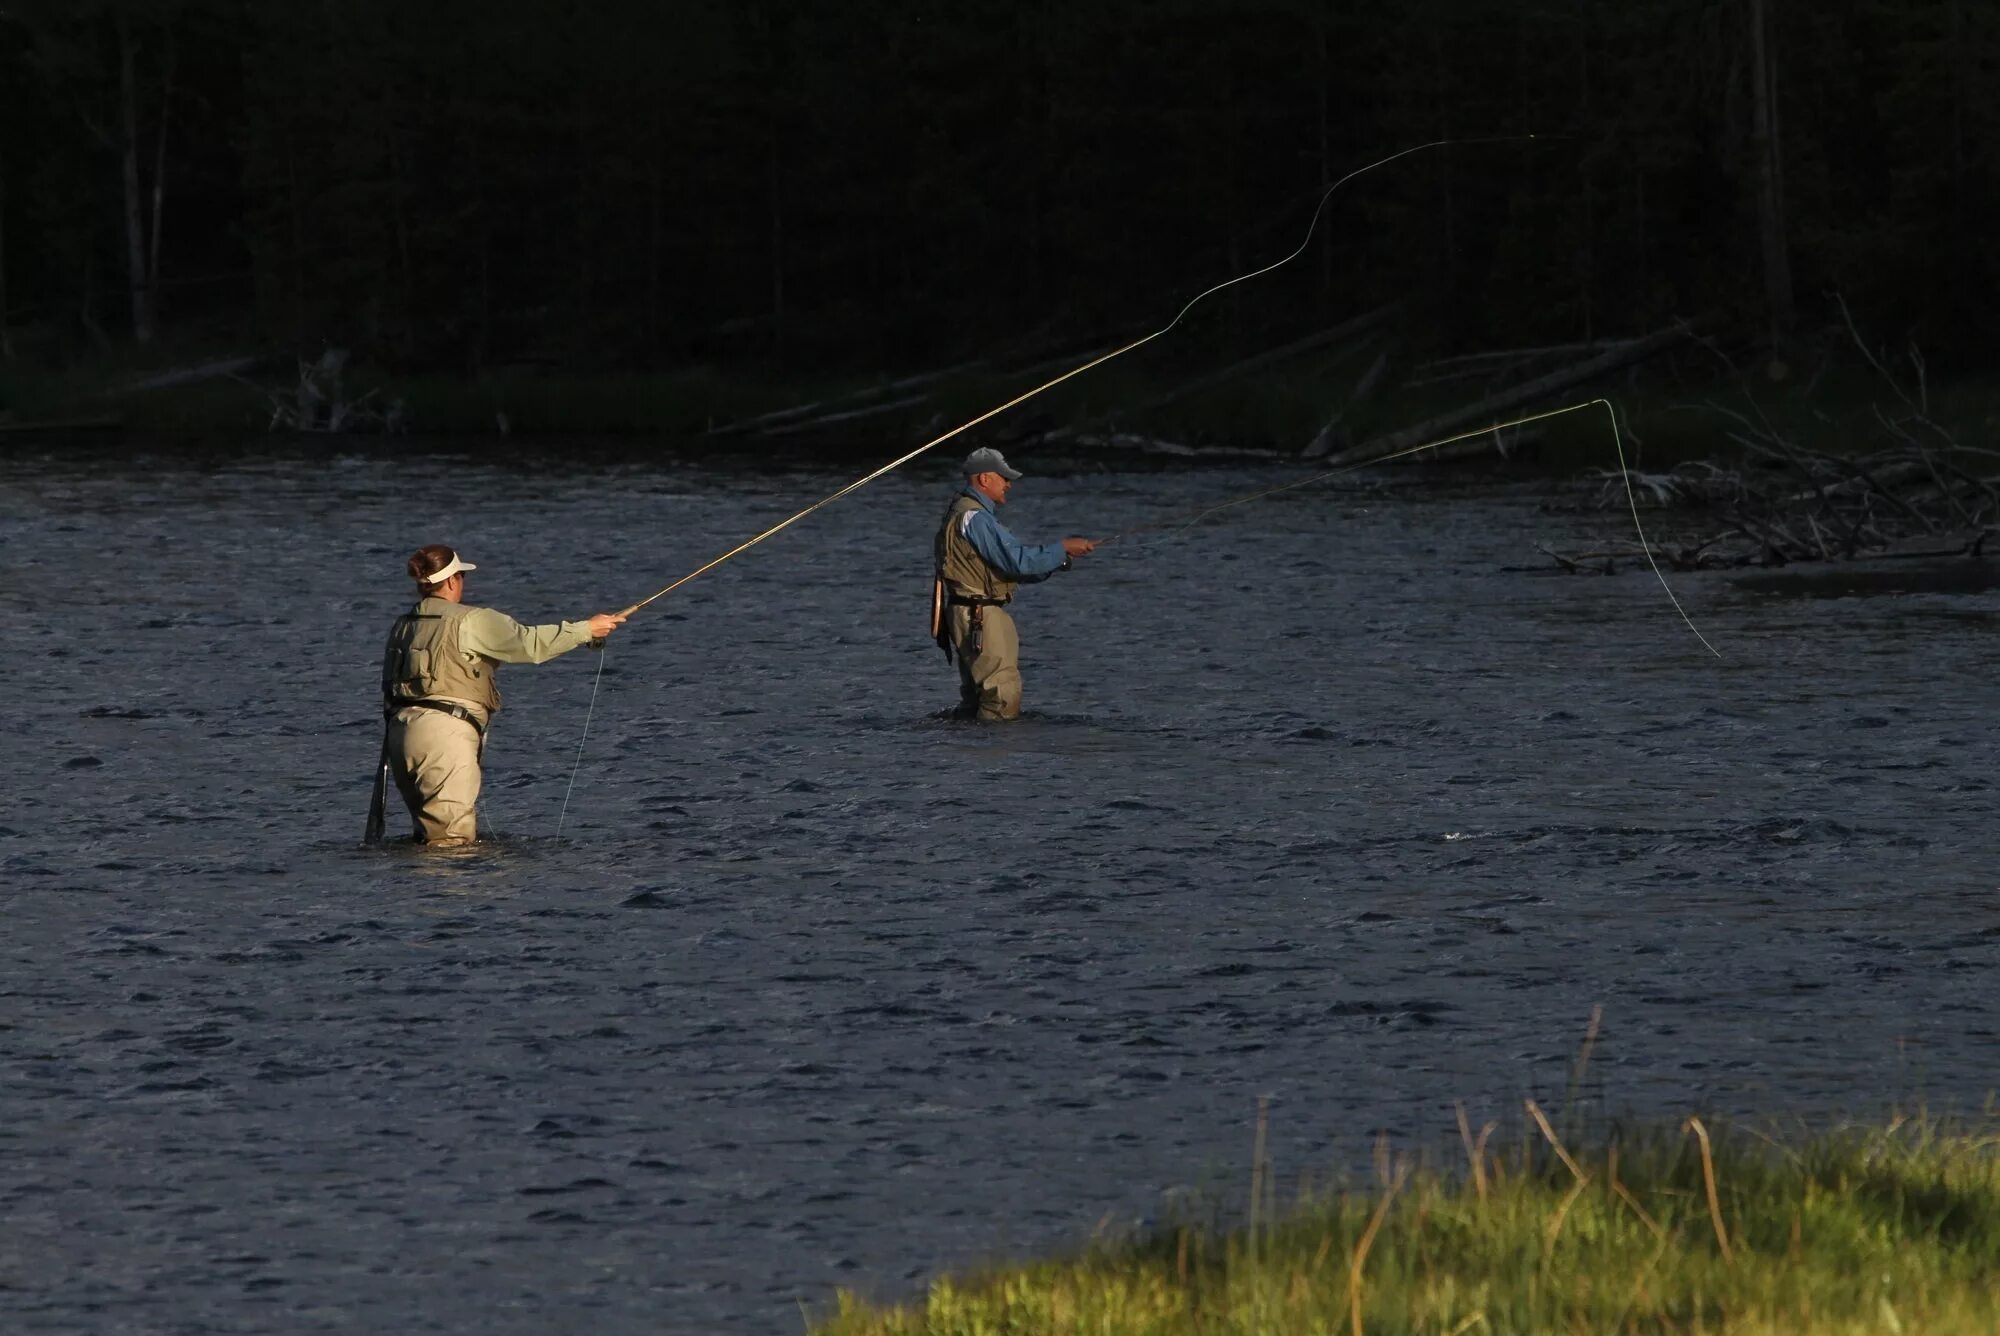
pixel 1316 801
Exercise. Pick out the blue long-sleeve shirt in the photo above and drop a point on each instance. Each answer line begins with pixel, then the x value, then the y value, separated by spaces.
pixel 1000 549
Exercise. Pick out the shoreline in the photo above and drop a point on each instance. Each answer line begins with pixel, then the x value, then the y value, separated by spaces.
pixel 1688 455
pixel 1665 1228
pixel 1273 412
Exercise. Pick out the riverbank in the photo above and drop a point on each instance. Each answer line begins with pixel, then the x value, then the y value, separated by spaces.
pixel 1887 1229
pixel 1177 405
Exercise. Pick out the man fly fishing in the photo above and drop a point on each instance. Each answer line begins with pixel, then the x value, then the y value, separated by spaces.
pixel 979 564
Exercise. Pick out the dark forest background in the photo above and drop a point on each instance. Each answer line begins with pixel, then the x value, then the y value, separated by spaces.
pixel 447 186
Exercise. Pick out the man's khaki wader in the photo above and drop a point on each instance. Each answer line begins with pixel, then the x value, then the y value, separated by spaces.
pixel 989 663
pixel 977 627
pixel 437 705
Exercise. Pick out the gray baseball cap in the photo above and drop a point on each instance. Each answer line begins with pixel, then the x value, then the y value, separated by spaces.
pixel 988 460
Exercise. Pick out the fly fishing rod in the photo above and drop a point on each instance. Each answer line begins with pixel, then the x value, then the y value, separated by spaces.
pixel 1312 227
pixel 1617 440
pixel 1098 361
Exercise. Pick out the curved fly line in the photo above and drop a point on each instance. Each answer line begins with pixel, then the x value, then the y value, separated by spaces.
pixel 1312 228
pixel 1617 442
pixel 1098 361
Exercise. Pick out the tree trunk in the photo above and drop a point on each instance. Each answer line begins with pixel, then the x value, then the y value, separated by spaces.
pixel 1322 75
pixel 1641 245
pixel 86 312
pixel 1046 132
pixel 1961 236
pixel 294 217
pixel 775 184
pixel 6 335
pixel 776 68
pixel 135 202
pixel 1331 431
pixel 1587 257
pixel 586 222
pixel 399 222
pixel 482 288
pixel 1610 360
pixel 1770 179
pixel 1441 162
pixel 656 227
pixel 160 176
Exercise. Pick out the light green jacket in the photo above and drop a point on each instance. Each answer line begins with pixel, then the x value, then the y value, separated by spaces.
pixel 445 651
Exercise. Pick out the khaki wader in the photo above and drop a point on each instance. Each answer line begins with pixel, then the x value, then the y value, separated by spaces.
pixel 433 754
pixel 434 758
pixel 989 665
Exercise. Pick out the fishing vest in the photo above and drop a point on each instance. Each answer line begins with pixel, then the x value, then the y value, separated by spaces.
pixel 422 660
pixel 960 569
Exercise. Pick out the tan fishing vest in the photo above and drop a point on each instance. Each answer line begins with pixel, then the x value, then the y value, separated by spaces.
pixel 422 660
pixel 962 570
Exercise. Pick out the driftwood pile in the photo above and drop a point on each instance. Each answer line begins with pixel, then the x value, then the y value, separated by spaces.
pixel 1515 380
pixel 319 403
pixel 1790 504
pixel 1910 491
pixel 1512 379
pixel 1914 490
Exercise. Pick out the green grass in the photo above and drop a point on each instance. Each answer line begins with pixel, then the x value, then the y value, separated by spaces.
pixel 1893 1229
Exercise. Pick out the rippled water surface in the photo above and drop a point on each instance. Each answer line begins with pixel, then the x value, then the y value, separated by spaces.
pixel 1317 800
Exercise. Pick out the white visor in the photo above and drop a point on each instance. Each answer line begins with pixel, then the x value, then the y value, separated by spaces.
pixel 451 568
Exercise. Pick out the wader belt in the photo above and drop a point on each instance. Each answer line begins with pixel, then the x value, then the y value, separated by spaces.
pixel 975 636
pixel 443 707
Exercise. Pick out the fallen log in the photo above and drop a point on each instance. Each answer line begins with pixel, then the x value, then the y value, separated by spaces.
pixel 1149 445
pixel 1633 350
pixel 64 424
pixel 1360 324
pixel 1480 359
pixel 1345 329
pixel 1499 364
pixel 1063 361
pixel 836 409
pixel 227 366
pixel 1371 380
pixel 851 415
pixel 1503 443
